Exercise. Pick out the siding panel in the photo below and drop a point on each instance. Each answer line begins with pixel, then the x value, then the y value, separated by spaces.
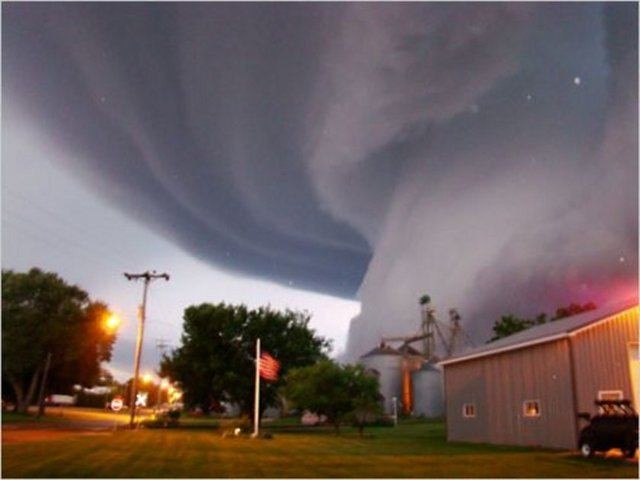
pixel 601 355
pixel 499 385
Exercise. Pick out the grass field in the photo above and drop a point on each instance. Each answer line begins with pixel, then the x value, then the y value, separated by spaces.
pixel 410 450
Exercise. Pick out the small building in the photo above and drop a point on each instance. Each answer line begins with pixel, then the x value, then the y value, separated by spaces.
pixel 528 388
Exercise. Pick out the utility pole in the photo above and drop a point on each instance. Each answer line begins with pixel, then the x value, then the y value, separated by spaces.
pixel 147 277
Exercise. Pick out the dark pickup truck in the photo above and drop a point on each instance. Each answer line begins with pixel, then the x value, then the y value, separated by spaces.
pixel 614 426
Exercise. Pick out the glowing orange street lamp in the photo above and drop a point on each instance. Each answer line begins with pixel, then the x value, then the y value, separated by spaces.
pixel 163 385
pixel 112 322
pixel 146 378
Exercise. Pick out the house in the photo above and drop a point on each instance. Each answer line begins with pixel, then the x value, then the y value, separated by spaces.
pixel 528 388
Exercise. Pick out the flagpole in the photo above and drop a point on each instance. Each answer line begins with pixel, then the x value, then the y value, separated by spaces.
pixel 256 406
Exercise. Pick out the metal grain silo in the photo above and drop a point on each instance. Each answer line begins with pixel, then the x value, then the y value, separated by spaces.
pixel 386 363
pixel 428 391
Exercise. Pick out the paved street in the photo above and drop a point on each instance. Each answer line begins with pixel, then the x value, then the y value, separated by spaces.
pixel 64 422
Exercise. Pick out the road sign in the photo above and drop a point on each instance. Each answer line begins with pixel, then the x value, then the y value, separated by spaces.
pixel 116 404
pixel 141 399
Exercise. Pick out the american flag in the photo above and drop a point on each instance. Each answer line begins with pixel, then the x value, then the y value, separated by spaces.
pixel 269 367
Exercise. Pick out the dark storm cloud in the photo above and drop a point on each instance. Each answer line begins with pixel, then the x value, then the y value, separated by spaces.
pixel 189 118
pixel 485 153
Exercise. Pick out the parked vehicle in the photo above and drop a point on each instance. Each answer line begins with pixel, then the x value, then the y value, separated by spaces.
pixel 614 426
pixel 60 400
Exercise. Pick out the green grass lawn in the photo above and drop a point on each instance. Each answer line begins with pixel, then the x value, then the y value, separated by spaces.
pixel 12 417
pixel 410 450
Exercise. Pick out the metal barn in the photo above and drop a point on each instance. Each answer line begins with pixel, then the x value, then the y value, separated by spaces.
pixel 527 389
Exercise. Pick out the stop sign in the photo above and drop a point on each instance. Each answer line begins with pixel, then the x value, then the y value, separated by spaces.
pixel 116 404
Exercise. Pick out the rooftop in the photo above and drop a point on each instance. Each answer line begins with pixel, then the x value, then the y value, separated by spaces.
pixel 546 332
pixel 382 349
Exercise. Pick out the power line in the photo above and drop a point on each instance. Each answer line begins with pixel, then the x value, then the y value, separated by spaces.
pixel 75 230
pixel 67 247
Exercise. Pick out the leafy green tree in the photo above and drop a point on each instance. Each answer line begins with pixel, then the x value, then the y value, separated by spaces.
pixel 364 389
pixel 338 392
pixel 322 389
pixel 216 359
pixel 41 315
pixel 574 309
pixel 510 324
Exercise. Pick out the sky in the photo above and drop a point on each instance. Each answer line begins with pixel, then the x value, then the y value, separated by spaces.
pixel 344 158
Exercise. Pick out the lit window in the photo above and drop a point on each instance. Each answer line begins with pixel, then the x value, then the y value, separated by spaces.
pixel 469 410
pixel 531 408
pixel 610 395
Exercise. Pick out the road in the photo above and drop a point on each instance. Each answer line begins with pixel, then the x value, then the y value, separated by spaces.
pixel 62 422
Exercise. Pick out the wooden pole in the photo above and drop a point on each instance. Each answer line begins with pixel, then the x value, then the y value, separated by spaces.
pixel 136 368
pixel 147 277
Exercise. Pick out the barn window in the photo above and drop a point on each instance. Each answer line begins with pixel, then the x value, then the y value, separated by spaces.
pixel 610 395
pixel 469 410
pixel 531 408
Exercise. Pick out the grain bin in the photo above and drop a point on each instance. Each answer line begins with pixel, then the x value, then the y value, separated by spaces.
pixel 386 362
pixel 428 391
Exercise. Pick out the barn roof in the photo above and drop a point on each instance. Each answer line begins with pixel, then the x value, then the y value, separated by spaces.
pixel 381 349
pixel 546 332
pixel 409 350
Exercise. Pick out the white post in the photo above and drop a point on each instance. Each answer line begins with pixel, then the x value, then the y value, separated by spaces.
pixel 256 406
pixel 395 411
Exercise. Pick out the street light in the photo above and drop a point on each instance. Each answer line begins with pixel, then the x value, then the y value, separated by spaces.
pixel 163 385
pixel 112 322
pixel 146 378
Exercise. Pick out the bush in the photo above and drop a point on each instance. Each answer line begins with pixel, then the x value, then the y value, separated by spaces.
pixel 166 419
pixel 380 421
pixel 173 415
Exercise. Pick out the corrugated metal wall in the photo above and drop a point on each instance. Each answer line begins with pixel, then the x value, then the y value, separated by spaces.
pixel 601 358
pixel 499 384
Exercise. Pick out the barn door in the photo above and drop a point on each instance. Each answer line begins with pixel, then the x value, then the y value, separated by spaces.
pixel 634 366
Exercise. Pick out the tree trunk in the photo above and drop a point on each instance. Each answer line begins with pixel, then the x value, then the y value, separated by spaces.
pixel 43 386
pixel 18 390
pixel 24 400
pixel 32 389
